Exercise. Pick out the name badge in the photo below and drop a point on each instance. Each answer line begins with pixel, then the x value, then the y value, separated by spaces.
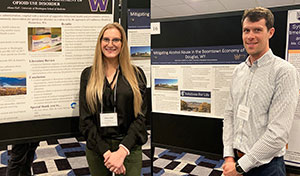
pixel 108 119
pixel 243 112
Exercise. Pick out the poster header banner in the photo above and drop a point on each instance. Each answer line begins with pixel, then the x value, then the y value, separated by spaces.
pixel 57 6
pixel 139 19
pixel 233 54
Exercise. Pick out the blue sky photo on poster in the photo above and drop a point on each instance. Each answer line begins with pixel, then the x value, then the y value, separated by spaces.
pixel 140 51
pixel 166 84
pixel 12 84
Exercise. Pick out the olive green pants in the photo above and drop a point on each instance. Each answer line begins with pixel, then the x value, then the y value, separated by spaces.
pixel 132 163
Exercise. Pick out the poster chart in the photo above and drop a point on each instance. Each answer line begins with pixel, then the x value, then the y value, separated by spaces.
pixel 193 81
pixel 44 46
pixel 139 36
pixel 292 157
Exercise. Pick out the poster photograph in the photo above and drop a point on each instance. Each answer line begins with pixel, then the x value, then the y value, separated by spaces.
pixel 44 46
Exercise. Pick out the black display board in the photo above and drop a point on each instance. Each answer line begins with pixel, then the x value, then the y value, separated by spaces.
pixel 37 130
pixel 199 134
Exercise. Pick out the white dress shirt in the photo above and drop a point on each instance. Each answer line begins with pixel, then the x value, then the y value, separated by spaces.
pixel 269 90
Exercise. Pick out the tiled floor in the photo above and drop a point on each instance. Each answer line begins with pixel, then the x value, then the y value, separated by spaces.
pixel 61 157
pixel 66 157
pixel 171 162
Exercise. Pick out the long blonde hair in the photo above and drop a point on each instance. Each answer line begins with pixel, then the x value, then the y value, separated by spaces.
pixel 95 85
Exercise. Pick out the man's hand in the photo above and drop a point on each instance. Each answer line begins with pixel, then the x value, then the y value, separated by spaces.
pixel 229 167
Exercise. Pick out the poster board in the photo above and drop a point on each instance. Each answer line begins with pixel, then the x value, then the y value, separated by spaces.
pixel 139 39
pixel 188 132
pixel 44 47
pixel 193 81
pixel 136 16
pixel 292 157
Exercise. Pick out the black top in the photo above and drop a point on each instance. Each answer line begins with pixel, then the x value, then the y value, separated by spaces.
pixel 132 130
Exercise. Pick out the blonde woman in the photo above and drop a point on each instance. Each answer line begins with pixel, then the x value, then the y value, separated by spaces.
pixel 112 107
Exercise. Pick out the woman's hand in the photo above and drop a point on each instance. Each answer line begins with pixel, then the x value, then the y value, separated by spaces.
pixel 115 161
pixel 106 155
pixel 122 170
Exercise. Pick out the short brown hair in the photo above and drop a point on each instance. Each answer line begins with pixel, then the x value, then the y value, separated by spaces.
pixel 258 13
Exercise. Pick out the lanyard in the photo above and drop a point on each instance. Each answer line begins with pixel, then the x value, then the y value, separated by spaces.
pixel 115 90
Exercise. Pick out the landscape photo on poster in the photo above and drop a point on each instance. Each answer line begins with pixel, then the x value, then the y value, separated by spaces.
pixel 166 84
pixel 195 105
pixel 12 84
pixel 140 52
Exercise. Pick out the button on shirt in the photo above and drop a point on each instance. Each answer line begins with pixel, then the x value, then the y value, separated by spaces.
pixel 269 88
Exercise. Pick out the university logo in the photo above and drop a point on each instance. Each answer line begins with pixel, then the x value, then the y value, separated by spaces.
pixel 98 4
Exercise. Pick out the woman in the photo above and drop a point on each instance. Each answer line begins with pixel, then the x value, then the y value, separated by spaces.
pixel 112 107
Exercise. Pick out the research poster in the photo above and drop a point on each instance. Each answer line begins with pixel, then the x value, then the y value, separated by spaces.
pixel 44 46
pixel 139 36
pixel 292 156
pixel 193 81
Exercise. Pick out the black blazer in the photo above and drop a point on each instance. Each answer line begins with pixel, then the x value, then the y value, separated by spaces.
pixel 131 130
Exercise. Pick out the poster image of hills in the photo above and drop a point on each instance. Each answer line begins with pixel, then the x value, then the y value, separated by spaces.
pixel 195 105
pixel 12 84
pixel 140 52
pixel 166 84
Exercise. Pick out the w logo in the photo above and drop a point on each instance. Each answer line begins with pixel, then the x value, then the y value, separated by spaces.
pixel 95 4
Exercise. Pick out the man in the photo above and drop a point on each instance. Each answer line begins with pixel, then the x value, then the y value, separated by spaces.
pixel 261 105
pixel 21 159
